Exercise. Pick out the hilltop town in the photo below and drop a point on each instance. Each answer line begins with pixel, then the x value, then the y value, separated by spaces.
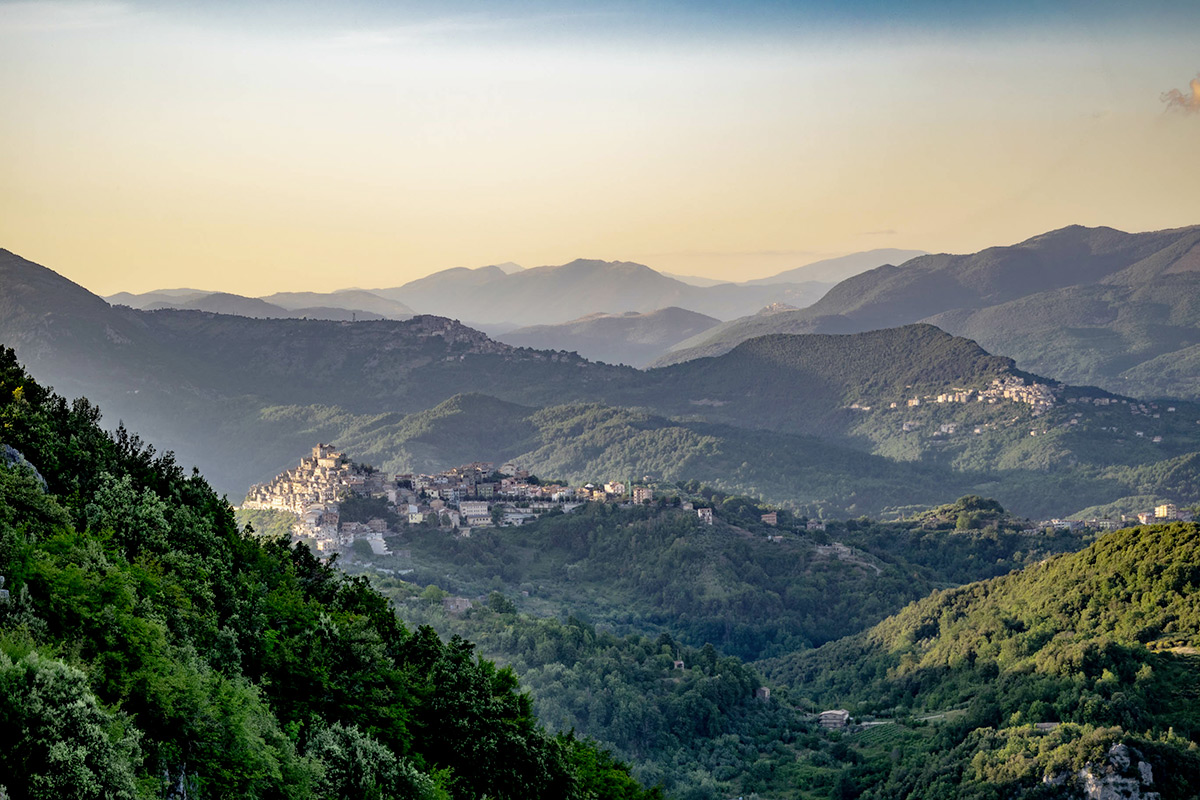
pixel 475 495
pixel 1038 395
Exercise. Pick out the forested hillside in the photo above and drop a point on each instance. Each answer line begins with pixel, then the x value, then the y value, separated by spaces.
pixel 687 718
pixel 628 624
pixel 1099 646
pixel 1074 456
pixel 151 648
pixel 658 569
pixel 950 685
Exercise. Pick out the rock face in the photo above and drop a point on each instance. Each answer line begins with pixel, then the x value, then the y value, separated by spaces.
pixel 1122 775
pixel 13 458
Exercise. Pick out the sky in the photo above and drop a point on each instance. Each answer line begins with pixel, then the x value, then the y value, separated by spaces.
pixel 318 146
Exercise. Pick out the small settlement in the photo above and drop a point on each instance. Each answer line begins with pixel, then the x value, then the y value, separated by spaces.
pixel 471 496
pixel 1040 396
pixel 1165 512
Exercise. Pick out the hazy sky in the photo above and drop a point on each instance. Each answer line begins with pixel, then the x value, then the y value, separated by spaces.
pixel 320 146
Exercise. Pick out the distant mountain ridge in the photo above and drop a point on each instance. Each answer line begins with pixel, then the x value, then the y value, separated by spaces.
pixel 1083 305
pixel 504 297
pixel 836 270
pixel 826 270
pixel 552 295
pixel 349 304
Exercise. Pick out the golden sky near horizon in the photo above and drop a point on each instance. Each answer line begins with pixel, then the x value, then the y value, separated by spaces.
pixel 145 147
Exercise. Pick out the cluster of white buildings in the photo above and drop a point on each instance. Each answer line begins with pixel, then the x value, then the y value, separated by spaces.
pixel 471 496
pixel 319 480
pixel 1038 395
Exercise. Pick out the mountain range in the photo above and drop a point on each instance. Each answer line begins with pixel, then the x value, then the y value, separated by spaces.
pixel 836 270
pixel 150 641
pixel 564 303
pixel 350 304
pixel 552 295
pixel 826 270
pixel 1091 306
pixel 240 397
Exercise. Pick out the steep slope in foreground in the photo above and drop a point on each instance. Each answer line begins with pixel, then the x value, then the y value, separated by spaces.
pixel 1102 641
pixel 150 648
pixel 1082 305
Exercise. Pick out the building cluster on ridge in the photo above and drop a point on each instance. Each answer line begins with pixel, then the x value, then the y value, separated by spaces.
pixel 1164 512
pixel 1038 395
pixel 470 496
pixel 319 480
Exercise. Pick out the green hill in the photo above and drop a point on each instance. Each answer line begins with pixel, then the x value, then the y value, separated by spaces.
pixel 594 607
pixel 1102 641
pixel 647 570
pixel 591 442
pixel 807 383
pixel 696 728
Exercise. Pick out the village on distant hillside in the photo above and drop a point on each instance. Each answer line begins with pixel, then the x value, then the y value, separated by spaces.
pixel 1038 395
pixel 471 496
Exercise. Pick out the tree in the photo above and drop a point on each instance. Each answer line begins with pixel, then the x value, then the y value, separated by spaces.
pixel 349 763
pixel 55 739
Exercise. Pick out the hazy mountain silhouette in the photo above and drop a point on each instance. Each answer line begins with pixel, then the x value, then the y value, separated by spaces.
pixel 240 397
pixel 552 295
pixel 631 338
pixel 836 270
pixel 350 304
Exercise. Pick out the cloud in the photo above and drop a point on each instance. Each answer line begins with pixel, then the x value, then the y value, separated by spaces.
pixel 1187 101
pixel 60 15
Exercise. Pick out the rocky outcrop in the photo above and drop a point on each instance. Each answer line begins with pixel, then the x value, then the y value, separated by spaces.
pixel 1122 775
pixel 14 459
